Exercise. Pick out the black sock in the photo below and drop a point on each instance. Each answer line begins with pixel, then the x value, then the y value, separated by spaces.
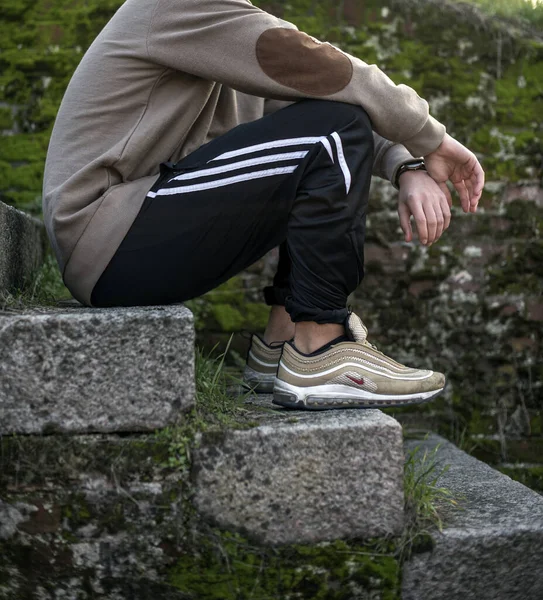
pixel 341 338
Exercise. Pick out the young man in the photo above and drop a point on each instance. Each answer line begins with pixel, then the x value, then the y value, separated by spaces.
pixel 183 87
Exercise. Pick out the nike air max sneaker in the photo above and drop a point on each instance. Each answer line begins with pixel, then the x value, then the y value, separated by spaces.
pixel 261 368
pixel 350 374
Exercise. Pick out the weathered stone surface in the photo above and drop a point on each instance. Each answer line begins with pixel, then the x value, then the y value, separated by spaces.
pixel 490 550
pixel 10 517
pixel 81 370
pixel 109 517
pixel 313 477
pixel 93 516
pixel 22 245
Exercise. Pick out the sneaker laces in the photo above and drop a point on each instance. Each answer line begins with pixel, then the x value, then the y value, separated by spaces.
pixel 357 331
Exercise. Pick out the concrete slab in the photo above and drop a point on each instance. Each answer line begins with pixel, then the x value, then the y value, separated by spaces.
pixel 22 248
pixel 490 550
pixel 103 370
pixel 305 478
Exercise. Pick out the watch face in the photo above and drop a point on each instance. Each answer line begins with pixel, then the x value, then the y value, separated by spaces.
pixel 414 165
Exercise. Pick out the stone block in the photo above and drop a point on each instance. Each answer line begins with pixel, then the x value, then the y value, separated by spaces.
pixel 307 478
pixel 22 246
pixel 109 517
pixel 104 370
pixel 491 549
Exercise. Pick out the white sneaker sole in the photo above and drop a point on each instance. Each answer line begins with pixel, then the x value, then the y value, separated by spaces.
pixel 260 383
pixel 324 397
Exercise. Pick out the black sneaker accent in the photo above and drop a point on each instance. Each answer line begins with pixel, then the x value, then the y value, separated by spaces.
pixel 341 338
pixel 271 344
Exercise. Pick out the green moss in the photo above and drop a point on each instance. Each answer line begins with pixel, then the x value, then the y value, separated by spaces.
pixel 519 105
pixel 495 451
pixel 256 316
pixel 230 292
pixel 23 147
pixel 227 309
pixel 482 424
pixel 228 317
pixel 77 513
pixel 531 476
pixel 35 461
pixel 225 566
pixel 526 219
pixel 216 409
pixel 520 271
pixel 536 424
pixel 6 118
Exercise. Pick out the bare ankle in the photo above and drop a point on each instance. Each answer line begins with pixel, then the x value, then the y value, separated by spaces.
pixel 310 336
pixel 280 328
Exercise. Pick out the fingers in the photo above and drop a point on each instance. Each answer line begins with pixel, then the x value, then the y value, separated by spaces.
pixel 469 187
pixel 474 181
pixel 428 203
pixel 432 216
pixel 405 222
pixel 473 199
pixel 463 193
pixel 431 221
pixel 420 220
pixel 454 162
pixel 446 212
pixel 446 192
pixel 477 181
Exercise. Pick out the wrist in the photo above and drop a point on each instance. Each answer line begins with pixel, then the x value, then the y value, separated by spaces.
pixel 408 176
pixel 411 166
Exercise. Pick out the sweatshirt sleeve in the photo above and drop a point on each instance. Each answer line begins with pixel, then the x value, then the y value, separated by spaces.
pixel 234 43
pixel 388 158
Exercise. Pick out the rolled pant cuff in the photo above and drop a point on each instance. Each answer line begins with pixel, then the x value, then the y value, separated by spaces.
pixel 275 296
pixel 300 313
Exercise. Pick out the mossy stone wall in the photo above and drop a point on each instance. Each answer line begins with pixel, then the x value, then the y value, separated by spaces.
pixel 472 304
pixel 105 516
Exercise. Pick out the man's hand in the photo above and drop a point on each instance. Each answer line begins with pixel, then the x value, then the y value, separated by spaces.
pixel 421 197
pixel 454 162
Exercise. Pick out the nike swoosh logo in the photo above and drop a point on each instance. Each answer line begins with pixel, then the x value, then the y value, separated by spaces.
pixel 357 381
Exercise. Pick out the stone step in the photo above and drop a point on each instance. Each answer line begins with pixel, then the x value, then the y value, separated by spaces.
pixel 492 549
pixel 110 516
pixel 88 516
pixel 22 248
pixel 95 370
pixel 304 477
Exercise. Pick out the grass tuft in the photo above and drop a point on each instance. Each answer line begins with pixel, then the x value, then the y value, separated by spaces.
pixel 216 402
pixel 426 502
pixel 46 289
pixel 216 407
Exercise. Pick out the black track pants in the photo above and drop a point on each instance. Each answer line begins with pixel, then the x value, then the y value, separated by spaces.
pixel 298 178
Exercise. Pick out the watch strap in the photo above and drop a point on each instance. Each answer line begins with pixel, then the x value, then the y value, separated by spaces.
pixel 412 165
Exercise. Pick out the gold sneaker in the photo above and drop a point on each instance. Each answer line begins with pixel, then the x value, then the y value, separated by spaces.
pixel 350 374
pixel 261 368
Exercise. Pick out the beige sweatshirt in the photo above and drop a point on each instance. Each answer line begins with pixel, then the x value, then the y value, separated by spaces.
pixel 165 77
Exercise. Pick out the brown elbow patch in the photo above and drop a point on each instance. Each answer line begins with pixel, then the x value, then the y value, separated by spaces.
pixel 297 61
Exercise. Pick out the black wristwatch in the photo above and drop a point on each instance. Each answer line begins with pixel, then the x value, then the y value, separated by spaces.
pixel 416 164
